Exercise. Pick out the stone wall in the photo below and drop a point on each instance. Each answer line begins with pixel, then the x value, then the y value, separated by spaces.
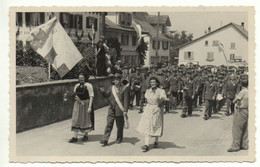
pixel 42 104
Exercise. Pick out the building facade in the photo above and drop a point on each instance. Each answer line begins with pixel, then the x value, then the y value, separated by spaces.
pixel 158 48
pixel 207 50
pixel 84 27
pixel 119 26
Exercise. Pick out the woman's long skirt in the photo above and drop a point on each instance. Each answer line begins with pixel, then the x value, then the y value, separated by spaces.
pixel 81 119
pixel 151 123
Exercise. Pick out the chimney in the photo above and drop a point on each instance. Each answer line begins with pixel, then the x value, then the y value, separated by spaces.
pixel 243 24
pixel 209 29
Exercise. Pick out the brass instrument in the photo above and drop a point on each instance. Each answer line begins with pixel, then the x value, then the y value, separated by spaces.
pixel 125 81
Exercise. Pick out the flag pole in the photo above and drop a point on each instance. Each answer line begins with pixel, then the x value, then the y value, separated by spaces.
pixel 49 71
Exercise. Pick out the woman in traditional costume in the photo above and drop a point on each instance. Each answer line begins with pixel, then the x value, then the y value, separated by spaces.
pixel 83 111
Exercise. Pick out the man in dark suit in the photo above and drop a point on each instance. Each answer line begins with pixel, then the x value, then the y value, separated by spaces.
pixel 118 96
pixel 231 88
pixel 189 92
pixel 174 88
pixel 209 95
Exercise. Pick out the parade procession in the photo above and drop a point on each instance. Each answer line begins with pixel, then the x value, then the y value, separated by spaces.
pixel 164 89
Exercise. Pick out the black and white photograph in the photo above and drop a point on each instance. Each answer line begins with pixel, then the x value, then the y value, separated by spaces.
pixel 132 84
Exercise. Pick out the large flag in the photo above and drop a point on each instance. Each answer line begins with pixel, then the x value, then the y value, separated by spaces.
pixel 51 41
pixel 138 30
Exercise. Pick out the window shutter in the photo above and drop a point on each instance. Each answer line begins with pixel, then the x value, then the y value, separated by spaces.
pixel 71 21
pixel 192 55
pixel 80 22
pixel 27 19
pixel 42 18
pixel 19 19
pixel 87 22
pixel 158 44
pixel 185 55
pixel 95 24
pixel 153 44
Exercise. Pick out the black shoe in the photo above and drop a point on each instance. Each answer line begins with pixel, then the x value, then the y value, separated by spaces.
pixel 205 117
pixel 227 114
pixel 104 142
pixel 155 145
pixel 118 141
pixel 73 140
pixel 141 111
pixel 145 148
pixel 232 150
pixel 85 138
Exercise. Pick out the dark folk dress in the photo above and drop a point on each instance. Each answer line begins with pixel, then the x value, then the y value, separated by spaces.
pixel 101 62
pixel 81 119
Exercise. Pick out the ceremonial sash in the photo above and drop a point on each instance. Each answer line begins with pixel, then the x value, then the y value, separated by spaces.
pixel 117 99
pixel 120 106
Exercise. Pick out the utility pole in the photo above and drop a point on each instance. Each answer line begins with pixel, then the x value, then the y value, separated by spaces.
pixel 157 36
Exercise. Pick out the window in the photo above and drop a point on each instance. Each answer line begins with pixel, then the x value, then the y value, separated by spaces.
pixel 125 39
pixel 78 22
pixel 92 21
pixel 154 44
pixel 34 19
pixel 215 43
pixel 165 45
pixel 232 57
pixel 206 43
pixel 65 20
pixel 71 21
pixel 189 55
pixel 19 19
pixel 210 56
pixel 125 18
pixel 235 58
pixel 233 45
pixel 134 40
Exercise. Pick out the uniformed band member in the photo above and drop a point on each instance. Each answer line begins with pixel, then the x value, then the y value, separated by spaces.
pixel 229 92
pixel 136 81
pixel 189 92
pixel 209 96
pixel 118 96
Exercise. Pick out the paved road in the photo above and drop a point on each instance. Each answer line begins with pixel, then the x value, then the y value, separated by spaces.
pixel 191 136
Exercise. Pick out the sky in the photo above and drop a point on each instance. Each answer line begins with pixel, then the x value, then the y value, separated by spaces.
pixel 198 22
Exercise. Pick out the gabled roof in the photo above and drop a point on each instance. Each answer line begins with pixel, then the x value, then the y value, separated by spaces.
pixel 147 27
pixel 239 28
pixel 163 19
pixel 112 25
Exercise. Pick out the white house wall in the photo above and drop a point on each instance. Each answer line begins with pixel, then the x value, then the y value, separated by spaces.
pixel 226 37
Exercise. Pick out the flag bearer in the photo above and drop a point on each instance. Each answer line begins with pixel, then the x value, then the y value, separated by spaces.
pixel 118 96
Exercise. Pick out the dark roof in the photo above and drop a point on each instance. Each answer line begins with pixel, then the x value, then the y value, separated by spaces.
pixel 239 28
pixel 147 27
pixel 112 25
pixel 163 19
pixel 140 16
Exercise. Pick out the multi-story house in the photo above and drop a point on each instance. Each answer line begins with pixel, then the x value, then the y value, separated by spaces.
pixel 80 26
pixel 207 49
pixel 119 26
pixel 162 44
